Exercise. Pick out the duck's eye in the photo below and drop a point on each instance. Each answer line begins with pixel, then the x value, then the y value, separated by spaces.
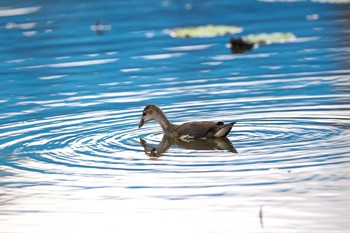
pixel 144 114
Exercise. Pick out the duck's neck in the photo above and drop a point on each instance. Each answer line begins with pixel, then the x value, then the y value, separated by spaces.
pixel 162 119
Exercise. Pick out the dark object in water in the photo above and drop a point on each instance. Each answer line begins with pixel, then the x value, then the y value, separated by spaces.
pixel 100 27
pixel 261 217
pixel 238 45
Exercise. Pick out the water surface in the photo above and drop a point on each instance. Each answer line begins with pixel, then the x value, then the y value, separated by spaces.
pixel 76 76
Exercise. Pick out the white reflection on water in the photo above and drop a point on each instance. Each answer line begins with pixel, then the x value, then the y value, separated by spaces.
pixel 230 57
pixel 190 47
pixel 110 198
pixel 73 64
pixel 18 11
pixel 160 56
pixel 52 77
pixel 20 25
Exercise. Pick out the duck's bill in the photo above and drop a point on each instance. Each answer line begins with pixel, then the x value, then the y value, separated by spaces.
pixel 142 121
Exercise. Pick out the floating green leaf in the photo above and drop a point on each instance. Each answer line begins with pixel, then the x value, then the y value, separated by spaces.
pixel 203 31
pixel 270 38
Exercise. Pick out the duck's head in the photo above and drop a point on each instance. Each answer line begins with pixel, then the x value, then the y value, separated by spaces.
pixel 148 114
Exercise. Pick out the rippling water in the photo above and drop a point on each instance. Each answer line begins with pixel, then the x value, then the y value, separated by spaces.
pixel 76 76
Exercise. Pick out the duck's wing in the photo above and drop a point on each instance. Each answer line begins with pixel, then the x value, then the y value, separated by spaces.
pixel 197 129
pixel 219 130
pixel 203 129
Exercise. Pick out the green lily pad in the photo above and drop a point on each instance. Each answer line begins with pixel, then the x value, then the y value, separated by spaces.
pixel 269 38
pixel 332 1
pixel 204 31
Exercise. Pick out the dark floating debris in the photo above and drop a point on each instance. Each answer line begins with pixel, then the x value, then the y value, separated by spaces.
pixel 240 45
pixel 100 27
pixel 261 217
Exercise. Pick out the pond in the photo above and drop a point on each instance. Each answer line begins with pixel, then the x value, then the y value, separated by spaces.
pixel 76 76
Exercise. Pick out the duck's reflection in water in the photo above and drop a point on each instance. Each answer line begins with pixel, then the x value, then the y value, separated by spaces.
pixel 197 144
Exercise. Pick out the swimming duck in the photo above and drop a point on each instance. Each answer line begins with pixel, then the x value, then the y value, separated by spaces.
pixel 189 130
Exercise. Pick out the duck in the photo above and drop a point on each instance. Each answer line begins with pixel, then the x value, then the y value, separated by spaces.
pixel 188 130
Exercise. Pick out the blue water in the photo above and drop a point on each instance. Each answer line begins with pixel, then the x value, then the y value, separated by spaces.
pixel 75 77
